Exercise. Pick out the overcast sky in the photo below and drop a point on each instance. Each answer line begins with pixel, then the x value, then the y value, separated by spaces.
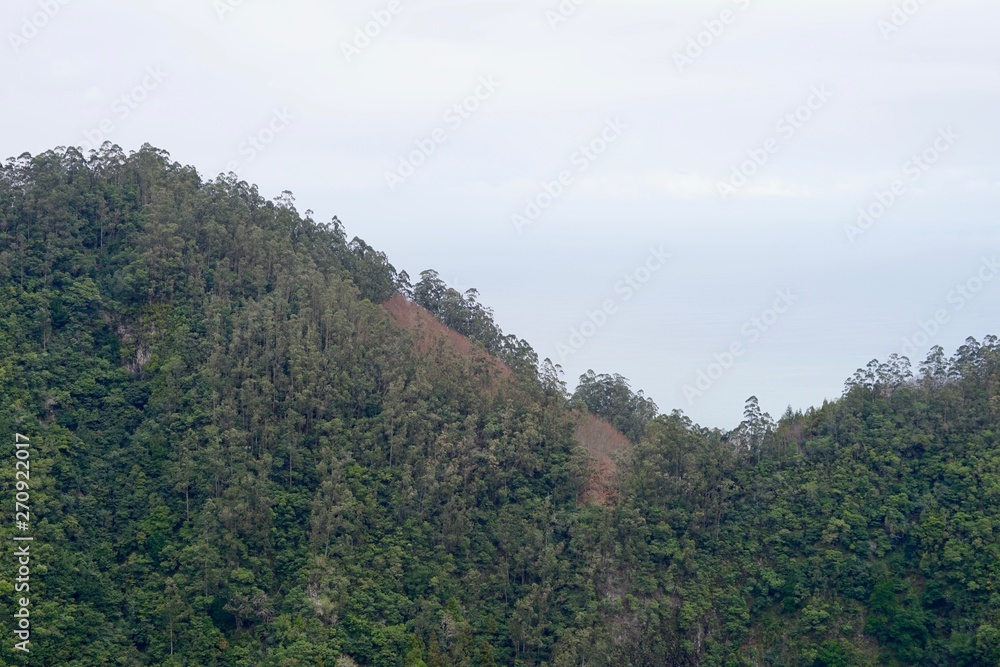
pixel 678 183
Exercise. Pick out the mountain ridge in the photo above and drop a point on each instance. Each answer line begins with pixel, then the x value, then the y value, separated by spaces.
pixel 239 459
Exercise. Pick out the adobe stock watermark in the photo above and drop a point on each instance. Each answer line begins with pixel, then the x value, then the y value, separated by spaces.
pixel 366 34
pixel 34 23
pixel 625 289
pixel 957 299
pixel 454 117
pixel 24 521
pixel 912 171
pixel 224 7
pixel 124 106
pixel 751 332
pixel 706 39
pixel 257 143
pixel 786 128
pixel 900 16
pixel 582 159
pixel 563 12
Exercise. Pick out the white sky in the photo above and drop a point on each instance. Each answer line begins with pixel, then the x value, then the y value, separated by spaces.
pixel 227 67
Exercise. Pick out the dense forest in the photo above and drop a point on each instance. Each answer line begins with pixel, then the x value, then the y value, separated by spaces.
pixel 238 457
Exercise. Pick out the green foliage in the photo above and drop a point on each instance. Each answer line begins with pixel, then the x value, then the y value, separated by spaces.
pixel 610 397
pixel 238 460
pixel 464 314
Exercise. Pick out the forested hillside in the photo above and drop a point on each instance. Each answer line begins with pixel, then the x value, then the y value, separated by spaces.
pixel 243 454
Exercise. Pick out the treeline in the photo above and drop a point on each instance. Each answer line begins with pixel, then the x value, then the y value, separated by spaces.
pixel 464 314
pixel 239 460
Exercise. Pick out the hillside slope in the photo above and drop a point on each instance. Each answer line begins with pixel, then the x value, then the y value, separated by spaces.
pixel 605 444
pixel 429 333
pixel 238 458
pixel 602 441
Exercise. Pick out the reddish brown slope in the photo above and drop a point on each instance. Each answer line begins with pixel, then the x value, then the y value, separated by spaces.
pixel 428 331
pixel 602 440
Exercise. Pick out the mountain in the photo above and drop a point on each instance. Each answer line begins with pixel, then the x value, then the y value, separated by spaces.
pixel 247 440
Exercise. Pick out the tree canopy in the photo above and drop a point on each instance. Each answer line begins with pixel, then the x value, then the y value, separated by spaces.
pixel 237 459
